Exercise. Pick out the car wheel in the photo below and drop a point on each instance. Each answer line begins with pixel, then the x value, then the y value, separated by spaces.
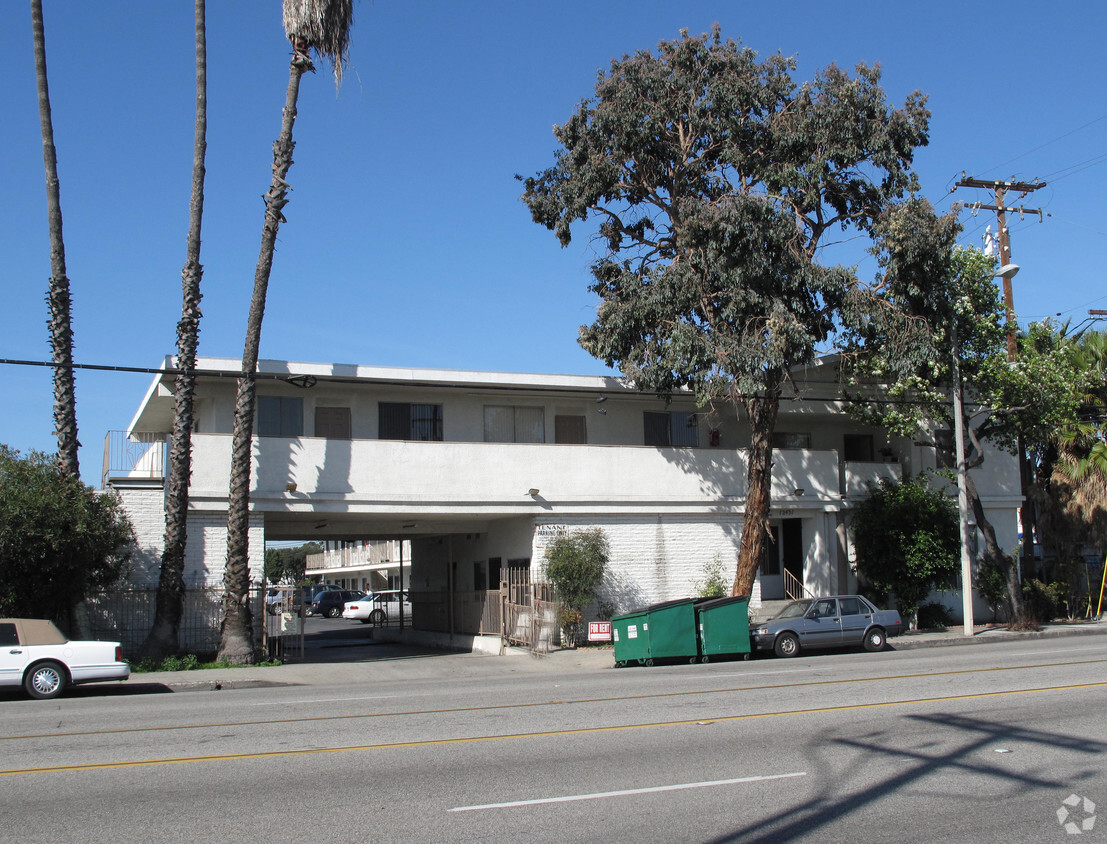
pixel 45 680
pixel 334 612
pixel 875 639
pixel 377 617
pixel 786 645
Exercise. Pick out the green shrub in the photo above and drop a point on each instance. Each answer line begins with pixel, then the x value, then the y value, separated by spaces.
pixel 905 535
pixel 1039 601
pixel 934 616
pixel 991 586
pixel 713 584
pixel 575 565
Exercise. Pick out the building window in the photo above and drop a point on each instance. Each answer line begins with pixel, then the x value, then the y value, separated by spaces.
pixel 791 439
pixel 280 417
pixel 570 430
pixel 676 428
pixel 504 424
pixel 333 423
pixel 480 582
pixel 858 447
pixel 400 421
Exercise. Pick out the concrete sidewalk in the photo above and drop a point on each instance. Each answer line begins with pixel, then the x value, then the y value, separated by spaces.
pixel 359 660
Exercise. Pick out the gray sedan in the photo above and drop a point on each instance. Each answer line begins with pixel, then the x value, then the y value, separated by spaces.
pixel 840 621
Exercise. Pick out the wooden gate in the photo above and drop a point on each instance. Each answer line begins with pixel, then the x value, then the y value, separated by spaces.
pixel 529 614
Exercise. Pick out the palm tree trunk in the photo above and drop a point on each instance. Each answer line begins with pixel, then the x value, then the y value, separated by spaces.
pixel 163 637
pixel 61 324
pixel 236 628
pixel 762 412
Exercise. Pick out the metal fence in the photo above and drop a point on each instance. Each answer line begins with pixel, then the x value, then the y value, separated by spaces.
pixel 126 616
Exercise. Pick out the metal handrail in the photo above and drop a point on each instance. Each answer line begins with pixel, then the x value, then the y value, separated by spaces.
pixel 793 588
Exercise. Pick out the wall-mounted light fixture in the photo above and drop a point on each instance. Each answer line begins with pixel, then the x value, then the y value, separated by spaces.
pixel 321 524
pixel 408 525
pixel 290 487
pixel 532 492
pixel 799 490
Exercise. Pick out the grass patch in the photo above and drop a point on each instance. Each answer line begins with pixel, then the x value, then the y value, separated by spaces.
pixel 190 662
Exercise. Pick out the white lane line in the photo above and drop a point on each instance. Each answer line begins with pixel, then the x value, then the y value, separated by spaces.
pixel 605 794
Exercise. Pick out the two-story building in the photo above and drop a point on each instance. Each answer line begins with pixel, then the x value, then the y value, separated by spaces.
pixel 474 471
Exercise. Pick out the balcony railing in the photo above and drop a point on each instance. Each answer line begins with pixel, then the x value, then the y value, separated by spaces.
pixel 133 456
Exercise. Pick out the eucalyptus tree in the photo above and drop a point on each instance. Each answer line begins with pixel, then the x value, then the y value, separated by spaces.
pixel 58 296
pixel 322 26
pixel 957 303
pixel 715 179
pixel 163 637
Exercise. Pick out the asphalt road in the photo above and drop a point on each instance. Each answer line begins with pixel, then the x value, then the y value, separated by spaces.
pixel 982 743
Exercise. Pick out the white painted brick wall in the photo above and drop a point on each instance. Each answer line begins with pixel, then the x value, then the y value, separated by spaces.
pixel 145 506
pixel 658 558
pixel 205 553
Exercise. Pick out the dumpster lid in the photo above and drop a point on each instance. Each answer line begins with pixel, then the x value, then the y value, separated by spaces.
pixel 675 602
pixel 712 603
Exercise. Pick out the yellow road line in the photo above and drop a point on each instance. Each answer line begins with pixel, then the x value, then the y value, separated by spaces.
pixel 140 763
pixel 532 704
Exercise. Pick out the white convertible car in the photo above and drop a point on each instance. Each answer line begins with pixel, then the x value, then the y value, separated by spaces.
pixel 36 655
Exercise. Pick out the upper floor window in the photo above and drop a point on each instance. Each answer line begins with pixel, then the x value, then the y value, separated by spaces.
pixel 570 430
pixel 401 421
pixel 333 423
pixel 791 439
pixel 280 416
pixel 858 447
pixel 503 424
pixel 675 428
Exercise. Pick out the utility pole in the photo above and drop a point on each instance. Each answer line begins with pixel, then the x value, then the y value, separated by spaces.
pixel 1006 272
pixel 1002 209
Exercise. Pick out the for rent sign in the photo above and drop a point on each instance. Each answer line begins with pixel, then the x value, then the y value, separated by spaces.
pixel 599 631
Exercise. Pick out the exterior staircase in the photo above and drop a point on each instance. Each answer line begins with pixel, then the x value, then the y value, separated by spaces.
pixel 768 609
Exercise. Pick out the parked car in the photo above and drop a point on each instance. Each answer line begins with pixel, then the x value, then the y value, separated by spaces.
pixel 36 655
pixel 331 601
pixel 379 607
pixel 840 621
pixel 274 597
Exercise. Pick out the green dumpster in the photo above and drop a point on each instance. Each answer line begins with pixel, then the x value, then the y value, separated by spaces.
pixel 724 627
pixel 630 634
pixel 673 629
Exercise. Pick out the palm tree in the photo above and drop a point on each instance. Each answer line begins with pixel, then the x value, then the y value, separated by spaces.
pixel 323 26
pixel 163 637
pixel 61 324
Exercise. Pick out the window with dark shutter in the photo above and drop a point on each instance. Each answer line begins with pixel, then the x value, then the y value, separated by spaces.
pixel 333 423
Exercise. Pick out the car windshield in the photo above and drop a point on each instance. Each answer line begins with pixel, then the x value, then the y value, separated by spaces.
pixel 796 609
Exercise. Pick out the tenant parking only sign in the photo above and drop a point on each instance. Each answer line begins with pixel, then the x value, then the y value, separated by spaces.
pixel 599 631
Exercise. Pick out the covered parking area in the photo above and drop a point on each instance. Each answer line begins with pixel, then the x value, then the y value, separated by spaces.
pixel 463 572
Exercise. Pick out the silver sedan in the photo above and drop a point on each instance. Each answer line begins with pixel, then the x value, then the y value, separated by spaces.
pixel 839 621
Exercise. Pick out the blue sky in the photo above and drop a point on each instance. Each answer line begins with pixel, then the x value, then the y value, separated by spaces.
pixel 406 242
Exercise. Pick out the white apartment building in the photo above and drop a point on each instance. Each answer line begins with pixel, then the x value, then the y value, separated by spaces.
pixel 474 471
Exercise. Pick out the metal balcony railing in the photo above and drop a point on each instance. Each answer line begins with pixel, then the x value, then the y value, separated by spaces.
pixel 134 456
